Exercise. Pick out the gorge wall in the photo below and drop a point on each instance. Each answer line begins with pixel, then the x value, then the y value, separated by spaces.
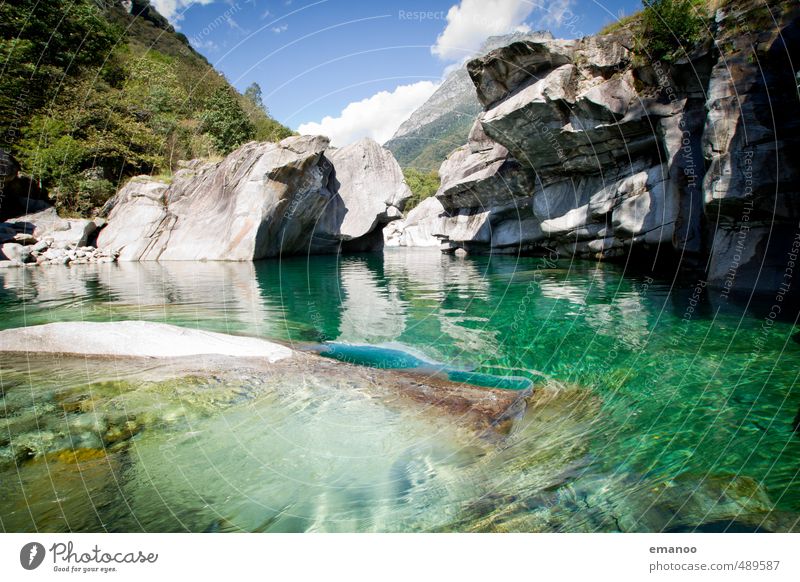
pixel 583 150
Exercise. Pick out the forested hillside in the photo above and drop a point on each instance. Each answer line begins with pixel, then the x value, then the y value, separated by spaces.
pixel 95 91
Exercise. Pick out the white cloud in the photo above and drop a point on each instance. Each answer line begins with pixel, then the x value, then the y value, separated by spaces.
pixel 232 23
pixel 377 117
pixel 204 44
pixel 173 9
pixel 280 29
pixel 556 12
pixel 472 21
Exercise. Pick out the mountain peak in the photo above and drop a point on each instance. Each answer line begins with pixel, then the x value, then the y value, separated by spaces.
pixel 442 123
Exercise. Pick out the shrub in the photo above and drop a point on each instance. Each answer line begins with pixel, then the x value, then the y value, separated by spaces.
pixel 668 28
pixel 423 185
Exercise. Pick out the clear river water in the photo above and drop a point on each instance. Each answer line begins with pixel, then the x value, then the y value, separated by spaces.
pixel 654 409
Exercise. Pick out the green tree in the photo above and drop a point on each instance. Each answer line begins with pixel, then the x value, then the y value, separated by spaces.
pixel 422 184
pixel 42 44
pixel 226 122
pixel 253 93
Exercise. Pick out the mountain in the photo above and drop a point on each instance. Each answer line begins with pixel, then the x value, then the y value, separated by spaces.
pixel 96 91
pixel 442 123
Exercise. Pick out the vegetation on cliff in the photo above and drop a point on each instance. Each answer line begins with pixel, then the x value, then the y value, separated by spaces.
pixel 664 29
pixel 92 93
pixel 422 184
pixel 429 146
pixel 670 27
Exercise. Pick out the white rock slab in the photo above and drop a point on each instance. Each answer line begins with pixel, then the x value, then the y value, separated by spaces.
pixel 135 339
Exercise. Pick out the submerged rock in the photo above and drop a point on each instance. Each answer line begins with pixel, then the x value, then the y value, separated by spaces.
pixel 486 407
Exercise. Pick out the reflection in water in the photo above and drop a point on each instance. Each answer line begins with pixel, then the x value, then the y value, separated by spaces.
pixel 653 416
pixel 372 310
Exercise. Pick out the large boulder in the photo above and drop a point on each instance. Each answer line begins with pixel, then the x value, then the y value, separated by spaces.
pixel 562 156
pixel 371 186
pixel 419 228
pixel 263 200
pixel 141 205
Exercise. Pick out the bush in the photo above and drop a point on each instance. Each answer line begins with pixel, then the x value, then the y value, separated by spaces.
pixel 90 96
pixel 89 128
pixel 423 185
pixel 41 44
pixel 668 28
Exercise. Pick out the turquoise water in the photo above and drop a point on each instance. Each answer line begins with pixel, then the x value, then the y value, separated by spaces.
pixel 654 411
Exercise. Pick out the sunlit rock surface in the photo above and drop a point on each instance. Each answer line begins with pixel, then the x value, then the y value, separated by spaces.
pixel 371 186
pixel 418 228
pixel 263 200
pixel 139 339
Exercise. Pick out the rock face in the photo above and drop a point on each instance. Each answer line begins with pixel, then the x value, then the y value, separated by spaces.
pixel 443 121
pixel 751 189
pixel 371 187
pixel 263 200
pixel 583 151
pixel 563 156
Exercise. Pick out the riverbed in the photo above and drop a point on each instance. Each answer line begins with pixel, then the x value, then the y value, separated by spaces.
pixel 654 408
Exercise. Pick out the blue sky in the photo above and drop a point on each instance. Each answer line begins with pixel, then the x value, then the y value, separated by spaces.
pixel 352 68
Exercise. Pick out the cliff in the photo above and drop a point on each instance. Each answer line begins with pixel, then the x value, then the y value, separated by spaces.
pixel 443 121
pixel 585 149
